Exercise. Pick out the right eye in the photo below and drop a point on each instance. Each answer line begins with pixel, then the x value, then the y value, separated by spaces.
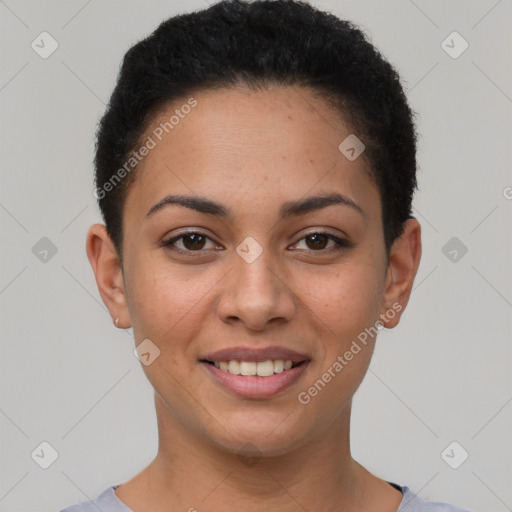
pixel 191 241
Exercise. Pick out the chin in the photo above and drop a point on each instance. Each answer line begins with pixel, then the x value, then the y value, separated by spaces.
pixel 259 434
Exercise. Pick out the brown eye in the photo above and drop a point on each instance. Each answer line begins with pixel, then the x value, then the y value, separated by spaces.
pixel 318 242
pixel 194 241
pixel 190 242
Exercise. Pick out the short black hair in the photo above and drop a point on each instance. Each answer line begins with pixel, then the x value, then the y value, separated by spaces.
pixel 258 43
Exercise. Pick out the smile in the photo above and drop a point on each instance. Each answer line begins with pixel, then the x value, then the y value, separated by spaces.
pixel 251 373
pixel 251 368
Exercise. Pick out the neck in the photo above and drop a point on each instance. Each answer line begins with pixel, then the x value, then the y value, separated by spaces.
pixel 191 473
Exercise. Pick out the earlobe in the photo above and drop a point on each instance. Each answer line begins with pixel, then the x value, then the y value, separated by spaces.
pixel 107 270
pixel 404 260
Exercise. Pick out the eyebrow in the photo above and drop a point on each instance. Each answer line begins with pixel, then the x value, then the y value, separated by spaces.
pixel 288 209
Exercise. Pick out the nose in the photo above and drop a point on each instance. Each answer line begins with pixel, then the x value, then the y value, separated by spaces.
pixel 256 294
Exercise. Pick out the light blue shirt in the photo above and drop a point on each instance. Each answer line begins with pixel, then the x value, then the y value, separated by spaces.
pixel 107 501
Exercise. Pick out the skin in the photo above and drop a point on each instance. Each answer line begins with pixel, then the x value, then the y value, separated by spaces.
pixel 253 151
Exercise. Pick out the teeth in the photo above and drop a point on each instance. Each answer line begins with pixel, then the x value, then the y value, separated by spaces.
pixel 248 368
pixel 262 368
pixel 234 367
pixel 265 368
pixel 278 366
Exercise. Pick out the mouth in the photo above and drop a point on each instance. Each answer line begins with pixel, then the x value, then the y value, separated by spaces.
pixel 255 374
pixel 252 368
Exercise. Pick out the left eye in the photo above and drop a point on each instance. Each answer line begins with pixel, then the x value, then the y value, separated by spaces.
pixel 320 239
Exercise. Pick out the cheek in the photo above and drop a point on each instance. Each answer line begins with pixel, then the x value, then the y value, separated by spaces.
pixel 345 305
pixel 164 301
pixel 168 307
pixel 345 301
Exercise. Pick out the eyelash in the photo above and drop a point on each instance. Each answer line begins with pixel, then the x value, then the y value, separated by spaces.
pixel 340 243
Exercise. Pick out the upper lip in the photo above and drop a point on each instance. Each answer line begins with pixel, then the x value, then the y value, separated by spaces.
pixel 255 354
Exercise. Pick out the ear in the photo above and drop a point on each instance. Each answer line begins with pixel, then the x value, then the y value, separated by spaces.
pixel 404 260
pixel 108 273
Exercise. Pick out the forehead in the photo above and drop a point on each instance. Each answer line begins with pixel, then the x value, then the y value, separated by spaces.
pixel 267 145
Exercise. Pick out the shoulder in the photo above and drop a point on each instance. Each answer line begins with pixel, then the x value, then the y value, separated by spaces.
pixel 411 502
pixel 107 501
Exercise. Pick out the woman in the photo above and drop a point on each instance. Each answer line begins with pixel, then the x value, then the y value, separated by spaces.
pixel 255 170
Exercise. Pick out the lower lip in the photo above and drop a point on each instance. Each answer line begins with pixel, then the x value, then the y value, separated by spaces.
pixel 257 387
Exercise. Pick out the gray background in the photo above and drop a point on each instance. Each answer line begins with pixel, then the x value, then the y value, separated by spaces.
pixel 69 377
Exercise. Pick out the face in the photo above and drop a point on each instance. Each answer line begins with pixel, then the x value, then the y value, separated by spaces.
pixel 264 274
